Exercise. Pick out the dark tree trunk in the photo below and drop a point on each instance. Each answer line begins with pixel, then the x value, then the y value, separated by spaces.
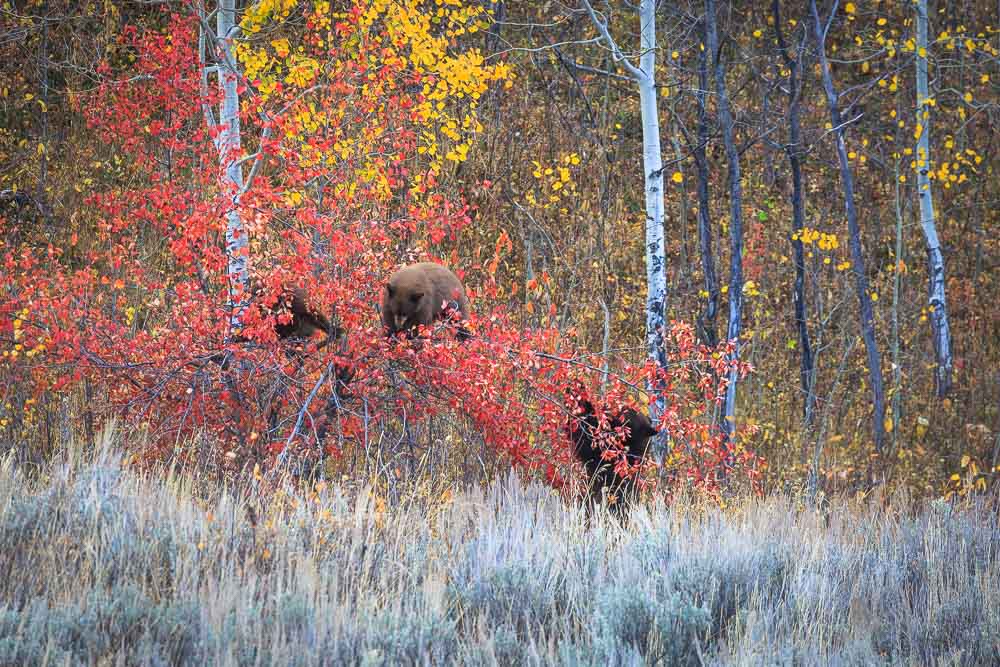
pixel 735 214
pixel 706 321
pixel 857 252
pixel 794 149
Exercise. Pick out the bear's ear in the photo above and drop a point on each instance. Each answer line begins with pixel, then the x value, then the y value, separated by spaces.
pixel 389 289
pixel 416 296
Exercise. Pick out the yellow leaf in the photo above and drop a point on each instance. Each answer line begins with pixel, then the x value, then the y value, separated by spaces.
pixel 677 177
pixel 849 8
pixel 887 423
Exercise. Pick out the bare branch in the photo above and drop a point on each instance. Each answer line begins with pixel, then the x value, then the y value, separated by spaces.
pixel 616 53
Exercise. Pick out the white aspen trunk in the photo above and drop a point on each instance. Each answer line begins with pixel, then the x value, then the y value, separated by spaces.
pixel 230 149
pixel 935 260
pixel 652 165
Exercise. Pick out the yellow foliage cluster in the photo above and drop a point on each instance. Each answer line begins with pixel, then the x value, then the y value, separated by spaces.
pixel 955 171
pixel 415 37
pixel 553 181
pixel 822 240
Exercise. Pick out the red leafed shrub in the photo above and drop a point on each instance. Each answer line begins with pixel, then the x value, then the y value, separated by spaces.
pixel 132 308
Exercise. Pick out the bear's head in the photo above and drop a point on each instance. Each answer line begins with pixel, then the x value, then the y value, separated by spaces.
pixel 407 293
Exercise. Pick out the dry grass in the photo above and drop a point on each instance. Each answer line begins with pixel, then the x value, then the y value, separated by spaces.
pixel 100 565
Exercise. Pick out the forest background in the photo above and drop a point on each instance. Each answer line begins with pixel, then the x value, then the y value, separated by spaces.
pixel 154 155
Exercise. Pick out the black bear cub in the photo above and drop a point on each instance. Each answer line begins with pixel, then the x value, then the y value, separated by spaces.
pixel 628 429
pixel 301 320
pixel 419 294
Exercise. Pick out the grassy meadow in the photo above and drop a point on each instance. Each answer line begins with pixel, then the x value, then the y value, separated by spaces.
pixel 106 566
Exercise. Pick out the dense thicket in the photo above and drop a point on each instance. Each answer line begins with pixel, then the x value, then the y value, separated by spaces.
pixel 549 160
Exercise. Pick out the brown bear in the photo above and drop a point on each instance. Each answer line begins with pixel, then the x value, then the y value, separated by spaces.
pixel 628 429
pixel 419 294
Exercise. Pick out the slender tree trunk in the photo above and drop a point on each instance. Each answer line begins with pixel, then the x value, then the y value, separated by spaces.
pixel 498 13
pixel 854 231
pixel 735 214
pixel 652 164
pixel 230 149
pixel 43 71
pixel 794 149
pixel 706 320
pixel 682 205
pixel 897 370
pixel 935 260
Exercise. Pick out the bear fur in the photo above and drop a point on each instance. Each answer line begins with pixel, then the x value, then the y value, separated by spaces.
pixel 628 429
pixel 305 321
pixel 419 294
pixel 302 325
pixel 294 319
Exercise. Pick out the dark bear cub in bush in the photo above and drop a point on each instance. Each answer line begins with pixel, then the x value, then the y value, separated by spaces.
pixel 296 318
pixel 628 430
pixel 420 294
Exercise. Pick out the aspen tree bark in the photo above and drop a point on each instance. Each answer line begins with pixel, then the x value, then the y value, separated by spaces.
pixel 794 150
pixel 735 213
pixel 854 231
pixel 652 163
pixel 935 260
pixel 237 243
pixel 226 136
